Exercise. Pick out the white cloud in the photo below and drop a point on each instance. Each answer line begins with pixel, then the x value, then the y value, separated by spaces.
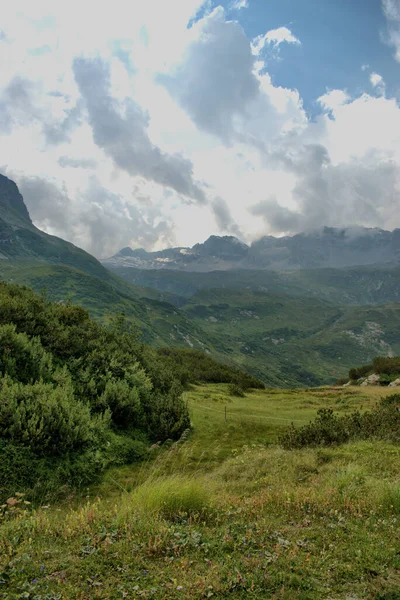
pixel 377 82
pixel 113 130
pixel 239 4
pixel 333 99
pixel 274 37
pixel 391 10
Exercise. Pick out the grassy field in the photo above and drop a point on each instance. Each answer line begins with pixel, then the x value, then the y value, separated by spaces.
pixel 224 513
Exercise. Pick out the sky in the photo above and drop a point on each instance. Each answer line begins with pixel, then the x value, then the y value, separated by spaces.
pixel 156 124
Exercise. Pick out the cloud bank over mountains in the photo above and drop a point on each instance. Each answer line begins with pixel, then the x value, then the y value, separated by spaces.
pixel 159 124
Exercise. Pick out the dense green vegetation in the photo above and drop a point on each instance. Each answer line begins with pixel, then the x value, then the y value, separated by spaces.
pixel 192 366
pixel 224 513
pixel 383 422
pixel 75 396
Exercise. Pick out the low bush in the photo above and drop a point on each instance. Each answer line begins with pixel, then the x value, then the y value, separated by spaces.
pixel 23 358
pixel 359 372
pixel 383 422
pixel 384 366
pixel 123 450
pixel 48 419
pixel 236 390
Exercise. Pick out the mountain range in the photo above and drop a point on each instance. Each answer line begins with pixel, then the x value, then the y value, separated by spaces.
pixel 329 247
pixel 290 326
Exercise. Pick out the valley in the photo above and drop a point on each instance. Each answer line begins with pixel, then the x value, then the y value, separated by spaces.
pixel 289 328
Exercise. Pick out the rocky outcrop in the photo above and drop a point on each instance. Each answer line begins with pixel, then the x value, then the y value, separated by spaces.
pixel 371 380
pixel 395 383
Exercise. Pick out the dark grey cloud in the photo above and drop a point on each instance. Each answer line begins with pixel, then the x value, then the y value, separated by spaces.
pixel 278 218
pixel 98 221
pixel 364 192
pixel 223 217
pixel 120 129
pixel 77 163
pixel 215 82
pixel 18 106
pixel 59 132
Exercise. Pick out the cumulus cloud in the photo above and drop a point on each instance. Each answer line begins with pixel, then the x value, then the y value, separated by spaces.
pixel 361 191
pixel 333 99
pixel 278 218
pixel 215 82
pixel 274 38
pixel 223 217
pixel 120 129
pixel 377 82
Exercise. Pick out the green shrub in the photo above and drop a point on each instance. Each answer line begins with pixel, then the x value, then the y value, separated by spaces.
pixel 47 418
pixel 21 358
pixel 341 381
pixel 42 478
pixel 122 450
pixel 383 422
pixel 69 384
pixel 359 372
pixel 236 390
pixel 123 401
pixel 392 400
pixel 384 364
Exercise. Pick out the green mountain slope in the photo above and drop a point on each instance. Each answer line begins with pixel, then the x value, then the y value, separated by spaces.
pixel 353 285
pixel 161 323
pixel 31 257
pixel 290 341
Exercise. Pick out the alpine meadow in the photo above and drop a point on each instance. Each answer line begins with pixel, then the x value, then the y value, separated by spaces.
pixel 200 300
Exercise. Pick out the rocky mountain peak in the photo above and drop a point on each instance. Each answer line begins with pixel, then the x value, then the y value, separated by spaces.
pixel 226 246
pixel 11 199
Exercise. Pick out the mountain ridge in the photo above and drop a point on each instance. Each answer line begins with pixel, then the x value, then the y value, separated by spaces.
pixel 327 248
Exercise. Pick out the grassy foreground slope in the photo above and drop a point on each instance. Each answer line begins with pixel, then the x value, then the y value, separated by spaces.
pixel 225 513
